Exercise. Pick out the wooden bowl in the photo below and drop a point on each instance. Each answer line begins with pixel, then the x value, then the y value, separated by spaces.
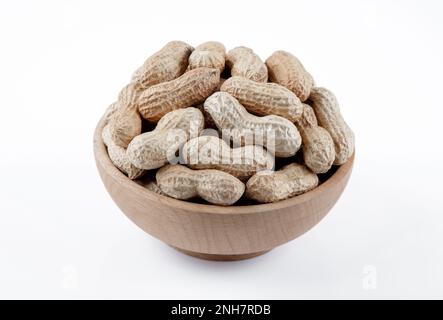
pixel 215 232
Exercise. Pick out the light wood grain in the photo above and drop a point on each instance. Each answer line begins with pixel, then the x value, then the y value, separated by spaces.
pixel 214 232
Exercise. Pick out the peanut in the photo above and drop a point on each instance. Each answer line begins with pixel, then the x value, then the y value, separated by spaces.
pixel 126 122
pixel 216 187
pixel 213 46
pixel 264 98
pixel 244 62
pixel 165 65
pixel 229 115
pixel 110 111
pixel 209 152
pixel 209 54
pixel 272 186
pixel 181 90
pixel 190 89
pixel 118 156
pixel 285 69
pixel 153 149
pixel 328 114
pixel 318 147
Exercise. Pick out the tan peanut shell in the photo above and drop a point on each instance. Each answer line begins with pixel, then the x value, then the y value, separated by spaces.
pixel 126 122
pixel 110 111
pixel 318 146
pixel 118 156
pixel 245 63
pixel 154 149
pixel 124 126
pixel 272 186
pixel 210 55
pixel 180 88
pixel 233 119
pixel 216 187
pixel 209 152
pixel 212 46
pixel 264 98
pixel 190 89
pixel 285 69
pixel 328 114
pixel 165 65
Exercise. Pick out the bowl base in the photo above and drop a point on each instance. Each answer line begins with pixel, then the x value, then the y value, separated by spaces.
pixel 221 257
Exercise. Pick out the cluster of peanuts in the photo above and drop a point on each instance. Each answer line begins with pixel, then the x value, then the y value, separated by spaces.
pixel 184 92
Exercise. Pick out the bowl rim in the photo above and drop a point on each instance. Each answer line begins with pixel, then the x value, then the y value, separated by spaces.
pixel 102 158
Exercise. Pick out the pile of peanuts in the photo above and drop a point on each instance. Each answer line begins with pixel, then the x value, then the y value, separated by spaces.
pixel 264 110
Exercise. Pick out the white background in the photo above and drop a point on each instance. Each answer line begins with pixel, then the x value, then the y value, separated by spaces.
pixel 63 62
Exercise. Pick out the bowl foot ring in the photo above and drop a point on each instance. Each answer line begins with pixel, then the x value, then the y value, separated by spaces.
pixel 221 257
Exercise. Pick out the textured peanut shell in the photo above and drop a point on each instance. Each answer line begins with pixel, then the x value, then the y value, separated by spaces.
pixel 273 186
pixel 125 126
pixel 245 63
pixel 285 69
pixel 190 89
pixel 214 46
pixel 128 96
pixel 126 122
pixel 328 114
pixel 214 186
pixel 154 149
pixel 318 146
pixel 118 156
pixel 210 55
pixel 110 111
pixel 209 152
pixel 165 65
pixel 232 118
pixel 264 98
